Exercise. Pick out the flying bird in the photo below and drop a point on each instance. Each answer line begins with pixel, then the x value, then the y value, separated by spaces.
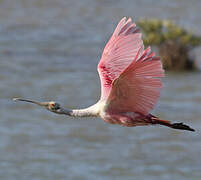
pixel 130 83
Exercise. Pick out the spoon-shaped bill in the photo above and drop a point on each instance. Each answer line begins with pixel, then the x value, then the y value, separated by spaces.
pixel 31 101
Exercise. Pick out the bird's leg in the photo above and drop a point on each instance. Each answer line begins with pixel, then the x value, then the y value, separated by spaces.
pixel 58 109
pixel 181 126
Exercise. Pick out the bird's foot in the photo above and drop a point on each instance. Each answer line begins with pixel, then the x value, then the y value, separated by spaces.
pixel 181 126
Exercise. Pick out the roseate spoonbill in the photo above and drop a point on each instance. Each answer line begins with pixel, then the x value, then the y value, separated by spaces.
pixel 130 83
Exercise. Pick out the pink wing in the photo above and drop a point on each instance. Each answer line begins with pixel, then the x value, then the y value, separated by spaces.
pixel 138 87
pixel 118 54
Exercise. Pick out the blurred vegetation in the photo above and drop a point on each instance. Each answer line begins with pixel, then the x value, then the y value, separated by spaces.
pixel 173 42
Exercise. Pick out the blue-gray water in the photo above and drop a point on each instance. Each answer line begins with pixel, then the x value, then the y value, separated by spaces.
pixel 49 51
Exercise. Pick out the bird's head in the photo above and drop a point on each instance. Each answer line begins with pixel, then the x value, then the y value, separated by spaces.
pixel 54 107
pixel 51 106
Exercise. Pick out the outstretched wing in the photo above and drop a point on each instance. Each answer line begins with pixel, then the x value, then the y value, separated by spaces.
pixel 137 89
pixel 118 54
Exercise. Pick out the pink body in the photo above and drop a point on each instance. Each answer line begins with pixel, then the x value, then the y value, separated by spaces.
pixel 127 119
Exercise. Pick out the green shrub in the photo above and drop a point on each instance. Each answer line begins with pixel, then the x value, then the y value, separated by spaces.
pixel 174 43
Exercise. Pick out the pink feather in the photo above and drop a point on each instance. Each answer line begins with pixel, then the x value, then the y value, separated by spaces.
pixel 118 54
pixel 137 89
pixel 129 74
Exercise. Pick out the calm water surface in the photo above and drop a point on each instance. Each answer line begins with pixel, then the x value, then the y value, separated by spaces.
pixel 49 51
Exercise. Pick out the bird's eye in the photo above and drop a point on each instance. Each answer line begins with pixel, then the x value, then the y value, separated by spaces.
pixel 54 106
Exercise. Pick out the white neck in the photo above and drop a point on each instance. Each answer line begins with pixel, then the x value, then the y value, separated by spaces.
pixel 93 110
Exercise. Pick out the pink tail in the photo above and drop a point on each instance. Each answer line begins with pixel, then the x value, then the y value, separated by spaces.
pixel 180 126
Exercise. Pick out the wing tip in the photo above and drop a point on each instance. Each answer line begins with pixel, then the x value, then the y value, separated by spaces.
pixel 126 26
